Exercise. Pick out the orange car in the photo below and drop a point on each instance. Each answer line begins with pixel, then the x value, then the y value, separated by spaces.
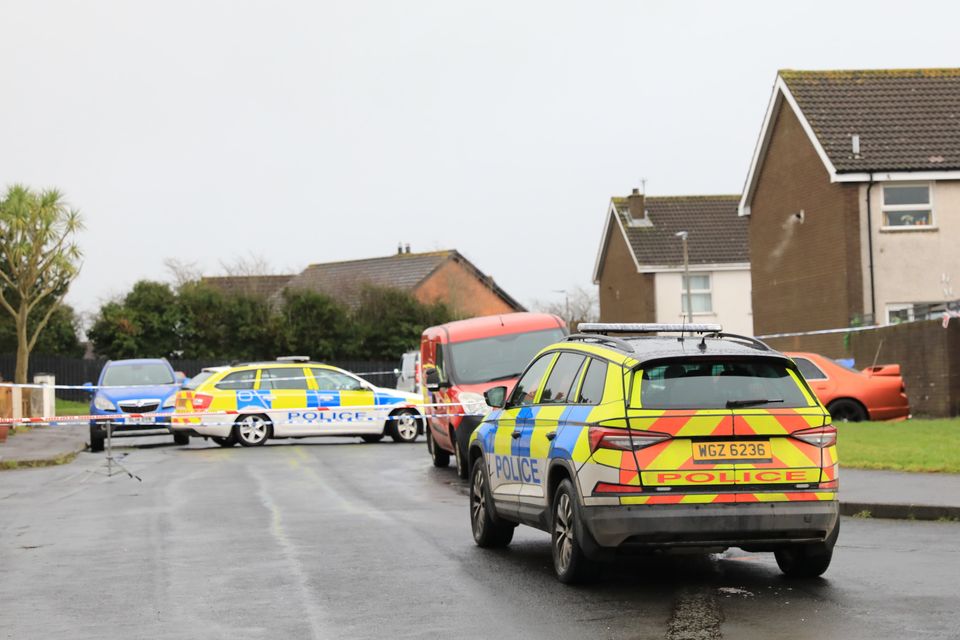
pixel 876 393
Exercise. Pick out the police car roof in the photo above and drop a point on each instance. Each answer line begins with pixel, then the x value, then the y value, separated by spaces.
pixel 656 347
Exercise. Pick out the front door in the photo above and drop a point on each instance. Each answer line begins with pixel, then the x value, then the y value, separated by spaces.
pixel 540 428
pixel 342 403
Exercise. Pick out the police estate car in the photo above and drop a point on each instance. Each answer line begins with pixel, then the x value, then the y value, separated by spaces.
pixel 292 398
pixel 702 440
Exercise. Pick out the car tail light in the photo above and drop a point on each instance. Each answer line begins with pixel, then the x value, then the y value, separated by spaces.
pixel 608 487
pixel 606 438
pixel 201 401
pixel 819 436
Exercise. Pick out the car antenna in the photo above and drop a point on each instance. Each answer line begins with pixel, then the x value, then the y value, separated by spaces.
pixel 500 318
pixel 876 356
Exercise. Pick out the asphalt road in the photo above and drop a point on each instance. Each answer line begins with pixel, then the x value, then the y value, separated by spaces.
pixel 338 539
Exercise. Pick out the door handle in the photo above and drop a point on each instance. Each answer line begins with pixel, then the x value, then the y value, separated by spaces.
pixel 516 434
pixel 551 435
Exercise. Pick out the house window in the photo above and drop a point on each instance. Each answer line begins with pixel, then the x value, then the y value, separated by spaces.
pixel 897 313
pixel 907 206
pixel 700 295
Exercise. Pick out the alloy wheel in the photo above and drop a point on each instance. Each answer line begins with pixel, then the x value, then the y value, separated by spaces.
pixel 478 502
pixel 253 430
pixel 563 533
pixel 407 427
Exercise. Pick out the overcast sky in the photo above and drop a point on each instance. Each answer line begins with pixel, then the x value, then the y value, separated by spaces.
pixel 319 131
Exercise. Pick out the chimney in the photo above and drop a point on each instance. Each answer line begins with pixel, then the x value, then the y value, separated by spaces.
pixel 635 205
pixel 407 248
pixel 399 248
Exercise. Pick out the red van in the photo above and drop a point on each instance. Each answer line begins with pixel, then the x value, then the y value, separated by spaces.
pixel 462 359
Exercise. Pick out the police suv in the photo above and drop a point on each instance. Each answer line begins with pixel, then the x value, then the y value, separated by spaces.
pixel 647 441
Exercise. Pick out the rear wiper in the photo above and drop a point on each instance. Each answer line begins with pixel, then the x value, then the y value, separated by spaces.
pixel 748 403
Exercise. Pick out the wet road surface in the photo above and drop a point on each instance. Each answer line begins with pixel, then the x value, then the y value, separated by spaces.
pixel 339 539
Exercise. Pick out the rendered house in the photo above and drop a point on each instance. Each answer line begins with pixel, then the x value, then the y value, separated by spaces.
pixel 639 267
pixel 853 197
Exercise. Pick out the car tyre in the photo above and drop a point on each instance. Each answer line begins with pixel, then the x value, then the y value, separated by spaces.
pixel 459 457
pixel 846 410
pixel 570 563
pixel 807 560
pixel 181 438
pixel 229 441
pixel 252 430
pixel 96 442
pixel 440 457
pixel 372 438
pixel 404 426
pixel 489 532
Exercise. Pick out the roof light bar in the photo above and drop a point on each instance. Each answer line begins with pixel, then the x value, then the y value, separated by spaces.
pixel 646 327
pixel 293 359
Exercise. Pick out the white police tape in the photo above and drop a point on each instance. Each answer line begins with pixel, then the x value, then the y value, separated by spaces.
pixel 171 385
pixel 168 417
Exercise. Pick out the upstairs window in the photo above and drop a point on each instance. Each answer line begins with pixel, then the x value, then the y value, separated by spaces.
pixel 907 206
pixel 700 294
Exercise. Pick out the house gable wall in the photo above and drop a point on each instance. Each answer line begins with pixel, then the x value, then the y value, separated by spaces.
pixel 808 275
pixel 462 291
pixel 625 295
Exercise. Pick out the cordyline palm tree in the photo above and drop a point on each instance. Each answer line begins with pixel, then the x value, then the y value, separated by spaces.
pixel 38 261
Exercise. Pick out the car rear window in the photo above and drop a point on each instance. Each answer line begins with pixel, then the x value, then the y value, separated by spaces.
pixel 197 380
pixel 719 384
pixel 238 381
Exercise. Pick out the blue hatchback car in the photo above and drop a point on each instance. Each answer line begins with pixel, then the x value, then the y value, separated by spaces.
pixel 134 386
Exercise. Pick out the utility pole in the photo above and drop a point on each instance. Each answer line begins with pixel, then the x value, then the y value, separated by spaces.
pixel 686 274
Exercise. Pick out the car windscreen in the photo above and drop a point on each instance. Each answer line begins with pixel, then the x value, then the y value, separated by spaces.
pixel 720 384
pixel 136 375
pixel 496 358
pixel 197 380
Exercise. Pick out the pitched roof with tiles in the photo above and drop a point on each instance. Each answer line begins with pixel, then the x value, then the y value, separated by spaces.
pixel 344 281
pixel 717 235
pixel 907 119
pixel 259 286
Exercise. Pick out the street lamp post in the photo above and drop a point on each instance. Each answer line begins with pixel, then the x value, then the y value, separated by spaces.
pixel 686 273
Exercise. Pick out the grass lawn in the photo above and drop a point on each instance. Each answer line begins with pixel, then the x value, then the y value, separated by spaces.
pixel 913 445
pixel 72 408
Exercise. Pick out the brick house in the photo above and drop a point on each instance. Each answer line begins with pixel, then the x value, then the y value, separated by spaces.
pixel 639 266
pixel 444 276
pixel 853 198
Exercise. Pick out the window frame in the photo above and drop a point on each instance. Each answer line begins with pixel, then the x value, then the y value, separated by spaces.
pixel 574 384
pixel 812 364
pixel 364 385
pixel 885 208
pixel 584 369
pixel 899 306
pixel 695 292
pixel 254 380
pixel 552 360
pixel 267 374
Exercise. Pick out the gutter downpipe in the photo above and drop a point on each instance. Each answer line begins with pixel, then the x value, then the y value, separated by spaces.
pixel 873 291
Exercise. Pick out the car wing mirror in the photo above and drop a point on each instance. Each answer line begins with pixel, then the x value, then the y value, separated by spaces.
pixel 432 379
pixel 88 387
pixel 496 397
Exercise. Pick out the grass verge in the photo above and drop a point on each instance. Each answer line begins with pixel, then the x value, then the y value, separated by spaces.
pixel 913 445
pixel 7 465
pixel 72 408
